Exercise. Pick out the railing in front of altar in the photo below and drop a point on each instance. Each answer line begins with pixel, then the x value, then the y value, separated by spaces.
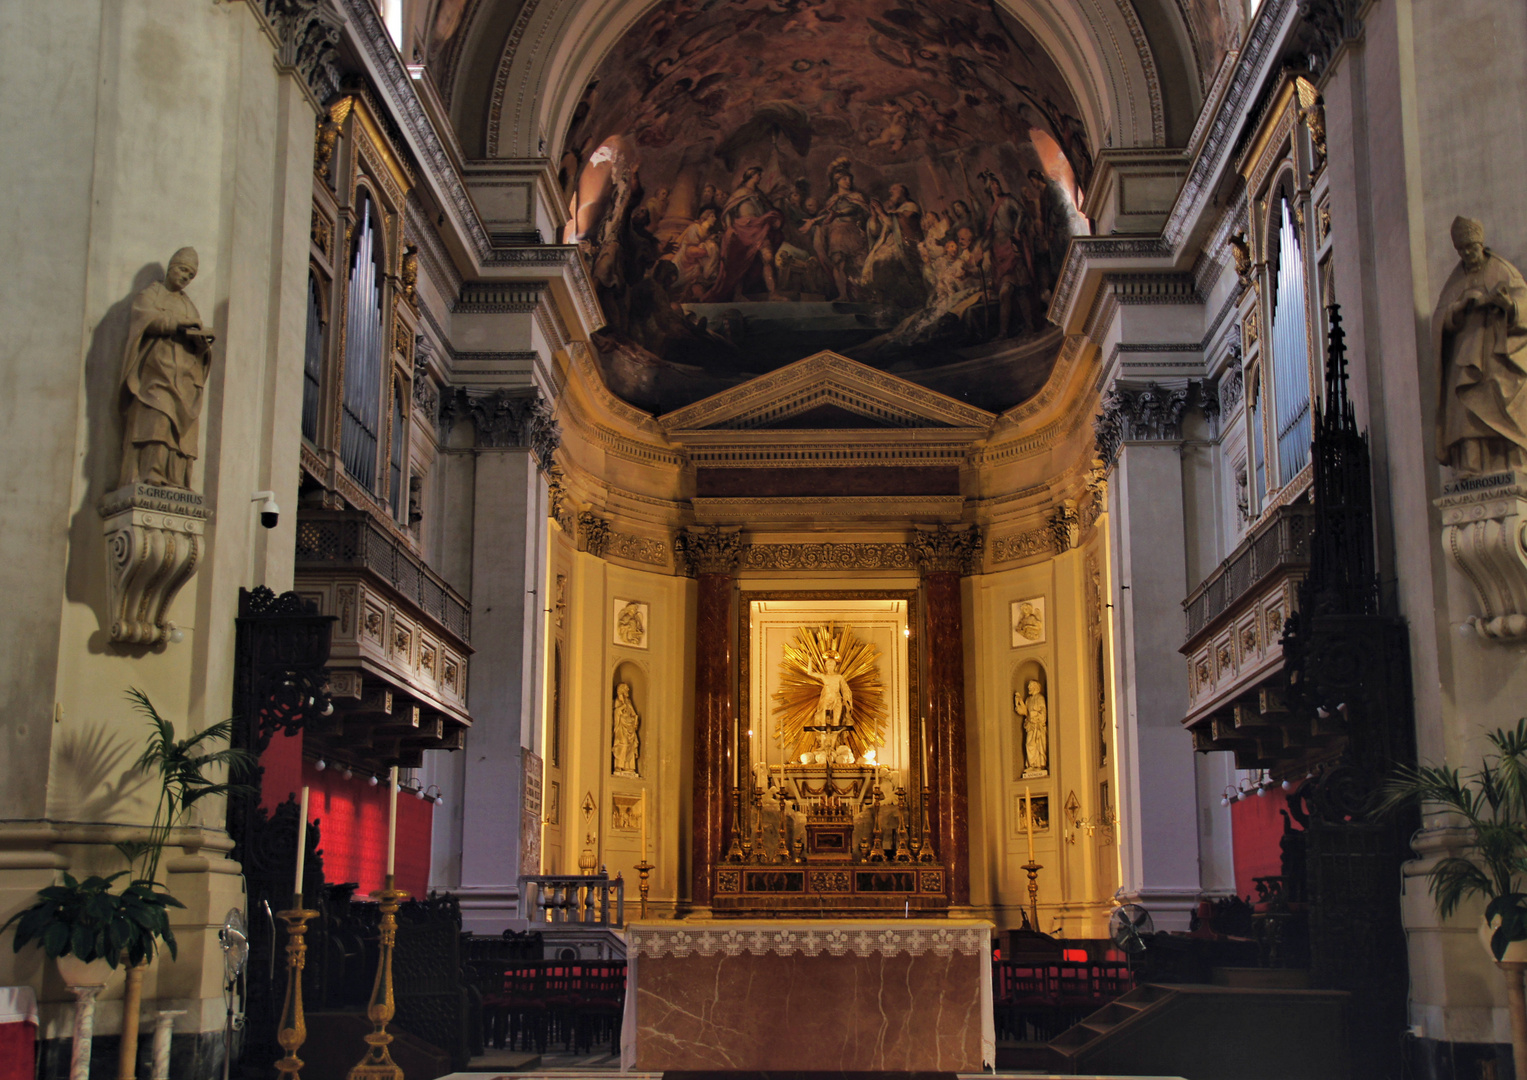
pixel 575 899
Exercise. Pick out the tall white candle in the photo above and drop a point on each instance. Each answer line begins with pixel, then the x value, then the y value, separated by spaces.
pixel 1028 819
pixel 392 819
pixel 644 825
pixel 302 846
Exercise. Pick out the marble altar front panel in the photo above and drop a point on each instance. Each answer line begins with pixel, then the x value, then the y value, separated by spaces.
pixel 901 995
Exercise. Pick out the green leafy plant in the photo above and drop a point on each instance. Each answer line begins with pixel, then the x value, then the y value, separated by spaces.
pixel 180 765
pixel 87 920
pixel 1493 803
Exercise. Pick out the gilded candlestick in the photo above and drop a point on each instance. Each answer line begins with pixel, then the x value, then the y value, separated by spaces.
pixel 644 869
pixel 377 1063
pixel 734 851
pixel 293 1031
pixel 925 845
pixel 1033 869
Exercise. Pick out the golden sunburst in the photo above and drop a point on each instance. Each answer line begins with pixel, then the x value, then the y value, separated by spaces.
pixel 800 689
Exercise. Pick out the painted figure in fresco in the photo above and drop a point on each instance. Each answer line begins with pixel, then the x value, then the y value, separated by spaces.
pixel 752 229
pixel 893 269
pixel 841 240
pixel 164 372
pixel 1479 333
pixel 1010 267
pixel 626 741
pixel 1036 728
pixel 697 256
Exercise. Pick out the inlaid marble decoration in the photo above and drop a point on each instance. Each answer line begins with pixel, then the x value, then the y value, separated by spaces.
pixel 1028 621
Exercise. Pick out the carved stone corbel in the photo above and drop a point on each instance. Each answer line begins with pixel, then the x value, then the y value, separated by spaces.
pixel 153 546
pixel 1483 519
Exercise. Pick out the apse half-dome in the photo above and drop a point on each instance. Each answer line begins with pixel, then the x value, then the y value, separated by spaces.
pixel 753 181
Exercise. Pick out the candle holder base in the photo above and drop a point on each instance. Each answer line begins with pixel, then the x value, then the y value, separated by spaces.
pixel 377 1063
pixel 1033 868
pixel 294 1029
pixel 644 871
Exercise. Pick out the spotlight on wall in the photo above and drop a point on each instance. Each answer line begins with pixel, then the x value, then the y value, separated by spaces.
pixel 177 635
pixel 373 781
pixel 433 794
pixel 320 765
pixel 347 773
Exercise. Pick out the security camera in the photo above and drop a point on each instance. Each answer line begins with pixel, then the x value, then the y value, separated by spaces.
pixel 270 513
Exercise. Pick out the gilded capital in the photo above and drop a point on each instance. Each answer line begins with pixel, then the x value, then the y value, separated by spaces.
pixel 708 551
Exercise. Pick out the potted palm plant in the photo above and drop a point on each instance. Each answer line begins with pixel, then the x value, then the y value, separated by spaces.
pixel 1491 804
pixel 86 927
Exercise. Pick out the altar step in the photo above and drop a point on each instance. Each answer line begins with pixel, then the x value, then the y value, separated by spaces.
pixel 1204 1032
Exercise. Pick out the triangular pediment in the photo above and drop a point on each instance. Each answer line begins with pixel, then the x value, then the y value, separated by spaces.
pixel 826 391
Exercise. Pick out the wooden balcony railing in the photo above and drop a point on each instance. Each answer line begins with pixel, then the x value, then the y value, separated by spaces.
pixel 1282 542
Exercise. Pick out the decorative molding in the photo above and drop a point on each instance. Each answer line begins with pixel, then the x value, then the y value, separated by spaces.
pixel 871 391
pixel 559 504
pixel 708 551
pixel 1065 527
pixel 593 533
pixel 306 34
pixel 1327 26
pixel 153 547
pixel 640 549
pixel 1038 541
pixel 888 508
pixel 366 24
pixel 829 556
pixel 1482 533
pixel 498 297
pixel 782 940
pixel 505 418
pixel 942 550
pixel 1150 414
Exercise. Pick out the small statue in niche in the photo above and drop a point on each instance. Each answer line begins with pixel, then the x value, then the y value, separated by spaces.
pixel 1479 333
pixel 1030 705
pixel 626 742
pixel 164 372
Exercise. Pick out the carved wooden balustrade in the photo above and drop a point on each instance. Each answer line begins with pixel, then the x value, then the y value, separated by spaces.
pixel 1235 651
pixel 398 662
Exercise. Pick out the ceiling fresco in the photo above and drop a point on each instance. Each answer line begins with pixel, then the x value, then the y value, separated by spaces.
pixel 756 180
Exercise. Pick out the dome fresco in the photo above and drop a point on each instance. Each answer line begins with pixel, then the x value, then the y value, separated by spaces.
pixel 755 181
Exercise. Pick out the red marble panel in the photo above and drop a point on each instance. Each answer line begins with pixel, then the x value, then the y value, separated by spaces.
pixel 713 717
pixel 794 1012
pixel 946 722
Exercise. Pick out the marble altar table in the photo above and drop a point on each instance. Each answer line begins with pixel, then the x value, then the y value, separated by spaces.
pixel 891 995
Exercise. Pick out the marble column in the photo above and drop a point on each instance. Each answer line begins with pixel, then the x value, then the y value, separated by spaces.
pixel 943 556
pixel 712 556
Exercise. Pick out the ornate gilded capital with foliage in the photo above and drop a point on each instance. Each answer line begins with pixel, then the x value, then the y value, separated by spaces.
pixel 708 551
pixel 945 550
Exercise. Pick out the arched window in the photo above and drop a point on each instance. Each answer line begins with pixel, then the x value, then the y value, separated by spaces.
pixel 364 349
pixel 1290 346
pixel 312 362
